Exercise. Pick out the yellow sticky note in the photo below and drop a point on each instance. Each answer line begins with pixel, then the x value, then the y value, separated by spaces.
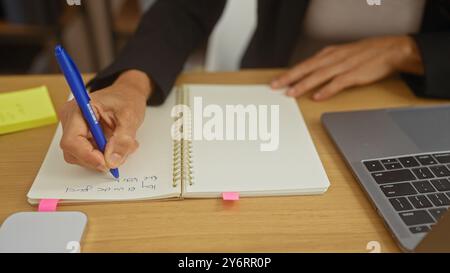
pixel 25 109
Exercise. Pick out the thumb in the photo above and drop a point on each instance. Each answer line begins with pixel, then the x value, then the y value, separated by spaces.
pixel 121 144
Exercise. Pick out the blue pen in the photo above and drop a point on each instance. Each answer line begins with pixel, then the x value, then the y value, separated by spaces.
pixel 80 93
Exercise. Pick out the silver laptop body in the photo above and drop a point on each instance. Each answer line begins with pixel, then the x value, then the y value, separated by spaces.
pixel 401 158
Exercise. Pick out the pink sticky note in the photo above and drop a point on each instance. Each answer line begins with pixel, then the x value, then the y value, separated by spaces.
pixel 48 205
pixel 230 196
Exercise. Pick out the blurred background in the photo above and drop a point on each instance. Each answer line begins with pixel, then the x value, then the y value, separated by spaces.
pixel 95 31
pixel 92 32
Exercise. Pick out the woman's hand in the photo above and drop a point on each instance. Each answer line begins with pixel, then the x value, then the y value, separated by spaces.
pixel 120 109
pixel 337 68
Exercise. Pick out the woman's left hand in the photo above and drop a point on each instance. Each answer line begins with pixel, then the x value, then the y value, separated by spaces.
pixel 337 68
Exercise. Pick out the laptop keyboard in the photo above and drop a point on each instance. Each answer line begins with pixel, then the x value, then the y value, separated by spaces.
pixel 417 186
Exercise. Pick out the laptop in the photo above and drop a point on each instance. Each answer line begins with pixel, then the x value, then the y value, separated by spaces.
pixel 401 158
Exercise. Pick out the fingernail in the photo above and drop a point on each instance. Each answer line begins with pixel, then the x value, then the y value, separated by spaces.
pixel 102 168
pixel 317 96
pixel 291 92
pixel 114 160
pixel 275 84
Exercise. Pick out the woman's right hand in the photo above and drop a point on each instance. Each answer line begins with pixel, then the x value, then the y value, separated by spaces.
pixel 120 109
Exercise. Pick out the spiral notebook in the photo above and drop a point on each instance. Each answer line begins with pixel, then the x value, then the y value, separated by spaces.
pixel 168 164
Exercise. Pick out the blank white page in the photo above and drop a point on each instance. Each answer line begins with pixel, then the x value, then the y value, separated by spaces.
pixel 240 166
pixel 147 174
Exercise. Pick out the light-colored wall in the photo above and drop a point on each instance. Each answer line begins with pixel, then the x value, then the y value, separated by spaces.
pixel 102 32
pixel 76 37
pixel 76 41
pixel 145 4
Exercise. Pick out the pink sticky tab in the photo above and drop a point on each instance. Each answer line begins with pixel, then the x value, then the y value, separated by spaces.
pixel 48 205
pixel 230 196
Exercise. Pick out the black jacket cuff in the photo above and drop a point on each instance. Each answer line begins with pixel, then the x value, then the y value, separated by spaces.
pixel 434 49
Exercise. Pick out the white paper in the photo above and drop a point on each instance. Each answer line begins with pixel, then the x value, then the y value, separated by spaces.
pixel 240 166
pixel 147 174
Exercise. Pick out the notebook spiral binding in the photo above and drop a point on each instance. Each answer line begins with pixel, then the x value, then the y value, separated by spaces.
pixel 182 147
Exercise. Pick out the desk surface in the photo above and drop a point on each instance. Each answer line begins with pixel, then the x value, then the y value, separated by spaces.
pixel 342 220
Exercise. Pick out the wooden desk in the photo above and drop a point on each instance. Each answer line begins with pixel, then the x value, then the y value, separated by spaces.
pixel 342 220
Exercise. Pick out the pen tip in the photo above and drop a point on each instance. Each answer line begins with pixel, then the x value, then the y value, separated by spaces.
pixel 115 173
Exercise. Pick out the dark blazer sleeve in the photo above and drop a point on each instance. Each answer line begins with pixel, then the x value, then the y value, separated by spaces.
pixel 166 36
pixel 434 46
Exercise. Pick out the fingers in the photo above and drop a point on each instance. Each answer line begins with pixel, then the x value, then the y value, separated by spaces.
pixel 319 77
pixel 120 114
pixel 75 161
pixel 363 74
pixel 118 149
pixel 335 86
pixel 339 67
pixel 326 57
pixel 324 75
pixel 76 144
pixel 123 141
pixel 80 151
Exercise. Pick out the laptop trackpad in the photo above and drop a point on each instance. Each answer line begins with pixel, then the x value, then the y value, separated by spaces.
pixel 428 128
